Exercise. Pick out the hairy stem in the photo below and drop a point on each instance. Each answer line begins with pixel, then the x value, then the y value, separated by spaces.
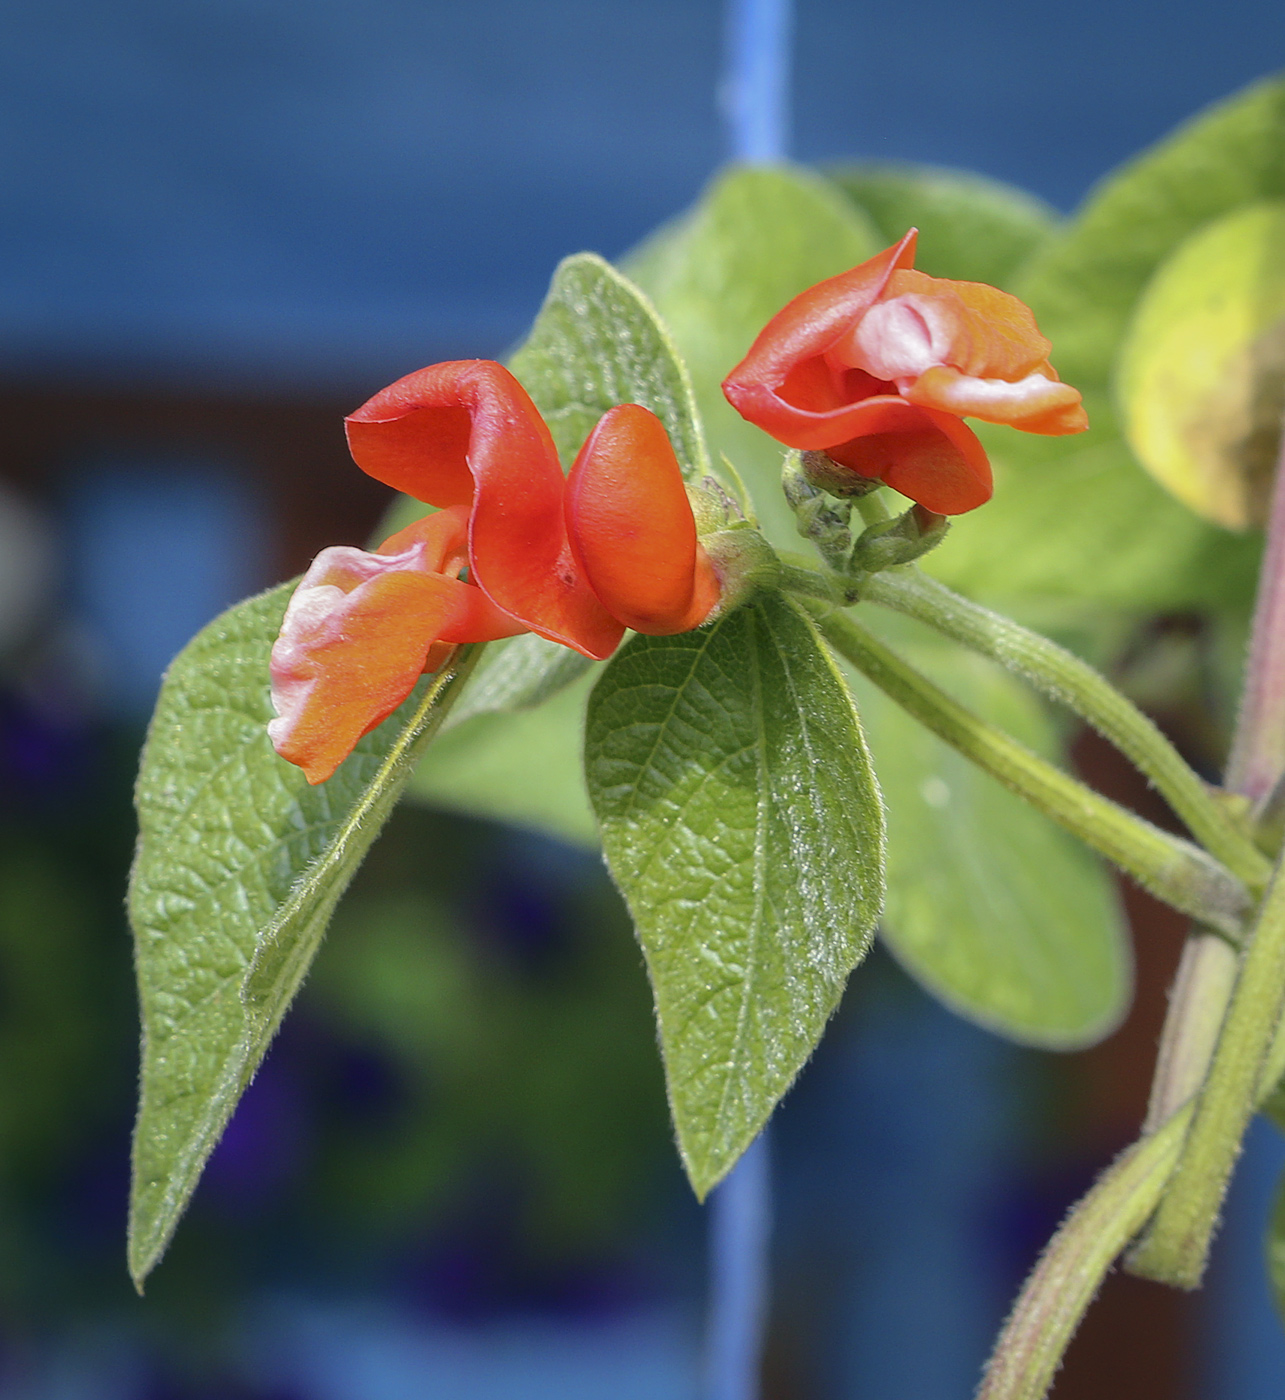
pixel 1207 967
pixel 1172 869
pixel 1060 1288
pixel 1063 677
pixel 1074 1263
pixel 1255 767
pixel 1177 1243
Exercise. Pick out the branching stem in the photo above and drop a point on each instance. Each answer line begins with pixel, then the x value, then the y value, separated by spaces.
pixel 1067 679
pixel 1173 869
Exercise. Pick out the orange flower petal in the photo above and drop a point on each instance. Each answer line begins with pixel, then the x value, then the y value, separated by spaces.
pixel 632 529
pixel 444 537
pixel 467 433
pixel 804 330
pixel 354 640
pixel 1035 403
pixel 930 457
pixel 993 333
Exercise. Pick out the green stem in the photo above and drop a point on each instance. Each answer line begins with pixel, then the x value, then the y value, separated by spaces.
pixel 1203 987
pixel 1076 1260
pixel 1171 868
pixel 1200 999
pixel 1177 1243
pixel 873 508
pixel 809 583
pixel 1063 677
pixel 1073 1265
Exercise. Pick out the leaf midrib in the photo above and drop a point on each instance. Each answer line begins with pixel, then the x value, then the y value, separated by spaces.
pixel 761 813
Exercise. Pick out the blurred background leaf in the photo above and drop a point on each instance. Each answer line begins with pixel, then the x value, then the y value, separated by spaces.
pixel 971 229
pixel 1201 378
pixel 995 911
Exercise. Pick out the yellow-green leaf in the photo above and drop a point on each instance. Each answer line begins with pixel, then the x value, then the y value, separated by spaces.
pixel 1201 378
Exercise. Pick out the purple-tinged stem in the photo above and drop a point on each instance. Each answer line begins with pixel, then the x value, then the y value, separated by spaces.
pixel 1258 749
pixel 1207 975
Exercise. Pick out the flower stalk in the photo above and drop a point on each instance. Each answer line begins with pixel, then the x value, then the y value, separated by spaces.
pixel 1174 870
pixel 1066 679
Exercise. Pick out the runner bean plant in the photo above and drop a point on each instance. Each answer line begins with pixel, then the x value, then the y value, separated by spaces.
pixel 716 573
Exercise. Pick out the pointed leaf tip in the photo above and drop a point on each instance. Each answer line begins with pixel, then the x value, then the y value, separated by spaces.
pixel 741 819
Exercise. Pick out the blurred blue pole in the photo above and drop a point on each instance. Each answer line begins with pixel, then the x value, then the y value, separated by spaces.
pixel 756 99
pixel 740 1228
pixel 756 85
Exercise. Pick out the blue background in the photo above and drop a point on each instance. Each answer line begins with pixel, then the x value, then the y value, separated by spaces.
pixel 272 193
pixel 287 202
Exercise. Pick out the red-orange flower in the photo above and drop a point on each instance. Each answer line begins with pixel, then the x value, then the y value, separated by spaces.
pixel 877 366
pixel 574 561
pixel 361 629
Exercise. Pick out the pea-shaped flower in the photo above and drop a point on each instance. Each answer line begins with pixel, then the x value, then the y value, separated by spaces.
pixel 513 548
pixel 876 367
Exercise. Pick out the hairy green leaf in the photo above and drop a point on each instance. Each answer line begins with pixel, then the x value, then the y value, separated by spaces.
pixel 238 868
pixel 741 819
pixel 996 911
pixel 756 238
pixel 598 342
pixel 970 228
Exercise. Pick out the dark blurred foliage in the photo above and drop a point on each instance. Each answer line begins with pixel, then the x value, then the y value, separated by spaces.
pixel 466 1107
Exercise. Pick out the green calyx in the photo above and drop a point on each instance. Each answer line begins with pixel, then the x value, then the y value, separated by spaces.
pixel 888 543
pixel 820 493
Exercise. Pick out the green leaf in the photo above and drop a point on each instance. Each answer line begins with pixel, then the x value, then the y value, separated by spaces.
pixel 1084 287
pixel 1201 377
pixel 970 228
pixel 238 868
pixel 1077 520
pixel 997 912
pixel 598 342
pixel 1079 514
pixel 741 819
pixel 522 767
pixel 756 238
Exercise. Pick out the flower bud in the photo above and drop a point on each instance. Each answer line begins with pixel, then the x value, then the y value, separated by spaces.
pixel 834 478
pixel 712 506
pixel 817 516
pixel 899 541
